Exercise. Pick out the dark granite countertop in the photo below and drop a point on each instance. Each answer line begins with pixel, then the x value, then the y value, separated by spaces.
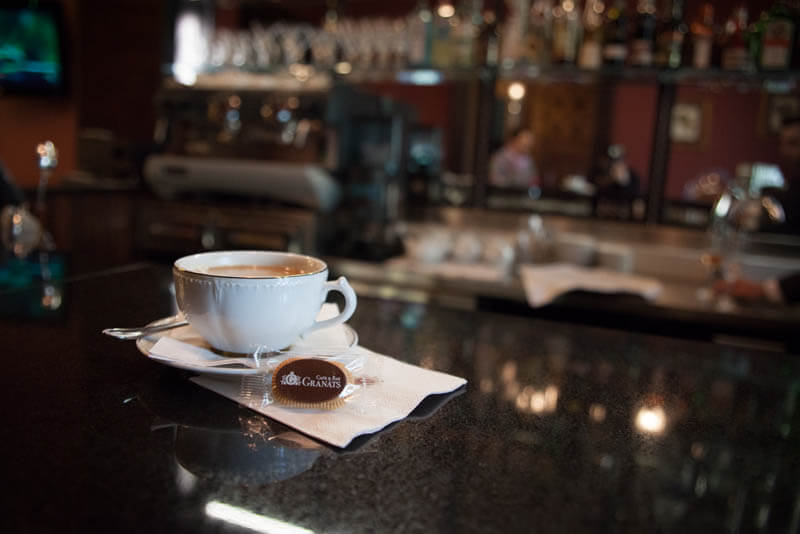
pixel 562 428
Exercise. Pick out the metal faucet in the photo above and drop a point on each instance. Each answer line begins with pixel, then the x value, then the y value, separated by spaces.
pixel 747 212
pixel 736 214
pixel 48 160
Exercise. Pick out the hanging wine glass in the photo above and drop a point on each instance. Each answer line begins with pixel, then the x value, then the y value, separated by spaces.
pixel 323 49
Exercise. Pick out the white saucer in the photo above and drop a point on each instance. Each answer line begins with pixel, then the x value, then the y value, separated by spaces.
pixel 344 336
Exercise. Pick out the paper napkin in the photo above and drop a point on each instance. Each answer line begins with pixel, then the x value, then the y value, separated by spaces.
pixel 399 390
pixel 393 391
pixel 544 283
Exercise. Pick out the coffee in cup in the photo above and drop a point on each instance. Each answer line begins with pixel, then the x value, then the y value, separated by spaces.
pixel 249 300
pixel 254 271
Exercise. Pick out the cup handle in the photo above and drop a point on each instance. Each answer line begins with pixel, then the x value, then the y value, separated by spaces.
pixel 350 301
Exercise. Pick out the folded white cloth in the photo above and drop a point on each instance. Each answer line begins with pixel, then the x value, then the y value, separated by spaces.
pixel 544 283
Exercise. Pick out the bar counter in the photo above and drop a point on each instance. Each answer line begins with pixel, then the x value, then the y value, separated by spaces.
pixel 679 310
pixel 561 428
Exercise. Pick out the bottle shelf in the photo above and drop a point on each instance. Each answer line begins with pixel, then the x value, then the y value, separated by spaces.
pixel 281 79
pixel 766 79
pixel 571 74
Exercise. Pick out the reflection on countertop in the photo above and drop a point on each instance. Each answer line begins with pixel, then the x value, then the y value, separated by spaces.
pixel 643 433
pixel 32 287
pixel 228 444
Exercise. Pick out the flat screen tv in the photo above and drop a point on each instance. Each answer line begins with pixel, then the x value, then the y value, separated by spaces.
pixel 32 49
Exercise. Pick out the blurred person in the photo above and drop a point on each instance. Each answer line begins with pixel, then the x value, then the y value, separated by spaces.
pixel 512 166
pixel 789 195
pixel 786 289
pixel 613 177
pixel 616 183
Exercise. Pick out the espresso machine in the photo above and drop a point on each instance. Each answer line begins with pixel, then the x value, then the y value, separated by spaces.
pixel 317 170
pixel 372 136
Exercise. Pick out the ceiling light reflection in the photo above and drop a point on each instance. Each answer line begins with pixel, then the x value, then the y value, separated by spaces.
pixel 246 519
pixel 509 371
pixel 516 91
pixel 651 420
pixel 343 67
pixel 597 412
pixel 446 10
pixel 536 401
pixel 551 396
pixel 486 385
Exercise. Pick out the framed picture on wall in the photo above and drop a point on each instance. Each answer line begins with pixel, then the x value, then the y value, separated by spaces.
pixel 688 123
pixel 777 109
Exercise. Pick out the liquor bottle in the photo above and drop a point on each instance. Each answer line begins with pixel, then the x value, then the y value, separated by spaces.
pixel 615 35
pixel 735 49
pixel 702 30
pixel 539 32
pixel 466 32
pixel 669 45
pixel 420 35
pixel 566 31
pixel 488 50
pixel 590 55
pixel 445 23
pixel 513 32
pixel 643 43
pixel 778 38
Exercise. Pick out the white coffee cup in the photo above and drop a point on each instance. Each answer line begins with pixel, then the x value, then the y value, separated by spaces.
pixel 248 300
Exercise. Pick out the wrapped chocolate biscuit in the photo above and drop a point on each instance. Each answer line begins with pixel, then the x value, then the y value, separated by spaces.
pixel 311 381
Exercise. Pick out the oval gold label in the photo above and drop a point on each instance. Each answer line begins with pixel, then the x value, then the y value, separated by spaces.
pixel 308 380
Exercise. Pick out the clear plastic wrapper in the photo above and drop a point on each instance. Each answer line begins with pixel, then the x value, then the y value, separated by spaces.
pixel 312 381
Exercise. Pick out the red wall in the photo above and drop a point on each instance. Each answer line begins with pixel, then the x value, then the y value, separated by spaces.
pixel 431 103
pixel 25 121
pixel 633 125
pixel 735 134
